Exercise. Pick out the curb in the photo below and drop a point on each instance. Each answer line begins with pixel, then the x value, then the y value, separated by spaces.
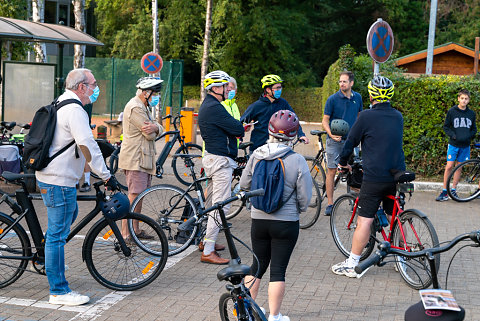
pixel 428 186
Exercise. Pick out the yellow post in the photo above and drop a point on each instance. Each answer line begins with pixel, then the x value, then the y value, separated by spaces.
pixel 186 128
pixel 167 122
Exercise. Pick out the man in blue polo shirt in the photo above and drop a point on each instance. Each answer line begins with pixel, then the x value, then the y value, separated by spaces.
pixel 345 104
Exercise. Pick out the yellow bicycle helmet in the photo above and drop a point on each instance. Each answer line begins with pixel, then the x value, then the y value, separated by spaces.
pixel 270 80
pixel 381 89
pixel 215 78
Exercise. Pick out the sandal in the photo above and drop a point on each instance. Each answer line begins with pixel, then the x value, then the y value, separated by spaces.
pixel 143 235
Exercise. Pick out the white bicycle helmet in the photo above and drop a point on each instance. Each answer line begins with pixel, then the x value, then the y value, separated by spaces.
pixel 215 78
pixel 150 83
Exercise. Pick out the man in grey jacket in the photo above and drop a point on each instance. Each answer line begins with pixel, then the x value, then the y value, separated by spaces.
pixel 274 235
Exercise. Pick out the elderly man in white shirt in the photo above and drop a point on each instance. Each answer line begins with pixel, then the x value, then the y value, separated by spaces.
pixel 57 181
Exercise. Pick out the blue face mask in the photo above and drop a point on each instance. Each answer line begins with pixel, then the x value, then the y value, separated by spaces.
pixel 93 97
pixel 277 93
pixel 155 100
pixel 231 94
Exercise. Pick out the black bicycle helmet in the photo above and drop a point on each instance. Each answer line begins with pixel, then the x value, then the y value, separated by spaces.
pixel 150 83
pixel 283 125
pixel 339 127
pixel 115 206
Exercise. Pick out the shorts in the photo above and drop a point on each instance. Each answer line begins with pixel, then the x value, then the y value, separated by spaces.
pixel 371 194
pixel 333 151
pixel 137 181
pixel 459 154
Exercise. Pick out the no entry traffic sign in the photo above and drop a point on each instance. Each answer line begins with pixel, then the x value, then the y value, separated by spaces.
pixel 380 41
pixel 151 63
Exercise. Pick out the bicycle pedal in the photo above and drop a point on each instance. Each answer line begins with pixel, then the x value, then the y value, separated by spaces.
pixel 364 271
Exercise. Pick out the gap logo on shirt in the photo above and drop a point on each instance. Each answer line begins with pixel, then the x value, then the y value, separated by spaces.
pixel 462 122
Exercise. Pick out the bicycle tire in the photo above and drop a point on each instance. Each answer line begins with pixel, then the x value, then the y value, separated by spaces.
pixel 415 271
pixel 310 217
pixel 15 242
pixel 228 309
pixel 111 268
pixel 469 177
pixel 339 219
pixel 182 173
pixel 113 161
pixel 157 202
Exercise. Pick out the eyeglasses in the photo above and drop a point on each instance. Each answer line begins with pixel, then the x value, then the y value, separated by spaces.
pixel 343 81
pixel 92 84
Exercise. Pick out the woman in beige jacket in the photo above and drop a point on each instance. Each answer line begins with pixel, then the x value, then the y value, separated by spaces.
pixel 137 155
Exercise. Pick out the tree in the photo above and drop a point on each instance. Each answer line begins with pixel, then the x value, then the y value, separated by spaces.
pixel 14 50
pixel 38 15
pixel 206 44
pixel 79 12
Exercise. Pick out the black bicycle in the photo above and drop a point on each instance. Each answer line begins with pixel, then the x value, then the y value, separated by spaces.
pixel 237 304
pixel 115 261
pixel 180 168
pixel 318 166
pixel 465 179
pixel 429 254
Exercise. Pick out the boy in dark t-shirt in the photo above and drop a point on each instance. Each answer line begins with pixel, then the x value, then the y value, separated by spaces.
pixel 460 127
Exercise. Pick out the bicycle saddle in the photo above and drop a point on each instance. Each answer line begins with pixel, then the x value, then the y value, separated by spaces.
pixel 244 145
pixel 402 176
pixel 8 125
pixel 9 176
pixel 233 270
pixel 317 132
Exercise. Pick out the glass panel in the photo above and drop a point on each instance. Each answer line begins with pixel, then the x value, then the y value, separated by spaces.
pixel 63 14
pixel 50 12
pixel 27 88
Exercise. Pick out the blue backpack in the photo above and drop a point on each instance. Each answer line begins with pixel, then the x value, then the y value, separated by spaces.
pixel 269 175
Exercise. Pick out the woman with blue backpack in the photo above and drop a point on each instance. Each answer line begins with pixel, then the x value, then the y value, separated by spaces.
pixel 285 177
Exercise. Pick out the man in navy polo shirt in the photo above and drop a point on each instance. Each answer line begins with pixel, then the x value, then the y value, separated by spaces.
pixel 345 104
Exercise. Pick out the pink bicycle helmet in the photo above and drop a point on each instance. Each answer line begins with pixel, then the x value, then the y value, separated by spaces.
pixel 283 125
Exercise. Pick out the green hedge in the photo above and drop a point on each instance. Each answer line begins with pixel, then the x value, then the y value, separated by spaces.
pixel 306 102
pixel 424 103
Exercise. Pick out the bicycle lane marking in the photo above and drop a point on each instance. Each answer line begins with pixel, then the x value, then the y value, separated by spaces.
pixel 95 310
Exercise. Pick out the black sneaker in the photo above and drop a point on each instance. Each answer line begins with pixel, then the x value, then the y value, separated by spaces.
pixel 85 188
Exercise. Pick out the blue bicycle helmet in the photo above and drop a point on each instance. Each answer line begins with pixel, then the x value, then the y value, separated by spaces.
pixel 115 206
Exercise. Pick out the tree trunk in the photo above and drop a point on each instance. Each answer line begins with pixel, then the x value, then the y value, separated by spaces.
pixel 206 45
pixel 38 15
pixel 79 12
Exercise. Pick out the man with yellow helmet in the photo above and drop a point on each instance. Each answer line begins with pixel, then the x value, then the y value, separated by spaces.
pixel 260 111
pixel 219 131
pixel 380 130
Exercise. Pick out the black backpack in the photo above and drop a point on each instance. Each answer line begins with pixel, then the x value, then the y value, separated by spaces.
pixel 40 136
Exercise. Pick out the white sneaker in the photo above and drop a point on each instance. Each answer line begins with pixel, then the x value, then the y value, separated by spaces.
pixel 71 298
pixel 280 317
pixel 344 269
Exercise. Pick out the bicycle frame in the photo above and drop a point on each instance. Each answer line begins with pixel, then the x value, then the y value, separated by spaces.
pixel 28 211
pixel 398 202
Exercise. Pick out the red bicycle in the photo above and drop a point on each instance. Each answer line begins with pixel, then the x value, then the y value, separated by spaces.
pixel 408 230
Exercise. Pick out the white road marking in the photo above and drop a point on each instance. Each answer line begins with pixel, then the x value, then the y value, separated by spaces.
pixel 93 311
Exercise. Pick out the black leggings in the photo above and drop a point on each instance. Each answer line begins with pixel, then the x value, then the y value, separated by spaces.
pixel 273 243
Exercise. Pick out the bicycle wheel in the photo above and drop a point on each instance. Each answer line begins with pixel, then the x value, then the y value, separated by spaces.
pixel 317 172
pixel 181 171
pixel 169 207
pixel 113 161
pixel 343 233
pixel 13 243
pixel 235 207
pixel 419 234
pixel 110 267
pixel 467 175
pixel 308 218
pixel 229 309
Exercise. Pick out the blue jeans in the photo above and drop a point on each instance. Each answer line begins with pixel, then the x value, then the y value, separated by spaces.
pixel 62 210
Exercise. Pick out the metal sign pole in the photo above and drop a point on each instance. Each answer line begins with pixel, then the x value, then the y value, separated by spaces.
pixel 431 36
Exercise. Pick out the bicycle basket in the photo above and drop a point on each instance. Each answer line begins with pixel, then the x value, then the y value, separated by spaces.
pixel 355 178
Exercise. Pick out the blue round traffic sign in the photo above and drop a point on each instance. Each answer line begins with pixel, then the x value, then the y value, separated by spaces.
pixel 380 41
pixel 151 63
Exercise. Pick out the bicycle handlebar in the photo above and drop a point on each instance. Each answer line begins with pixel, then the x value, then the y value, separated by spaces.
pixel 385 249
pixel 240 196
